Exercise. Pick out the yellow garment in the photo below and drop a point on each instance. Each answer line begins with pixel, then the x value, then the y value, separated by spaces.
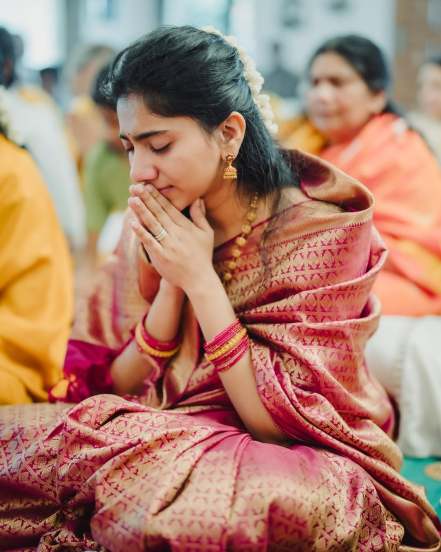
pixel 36 94
pixel 36 299
pixel 299 133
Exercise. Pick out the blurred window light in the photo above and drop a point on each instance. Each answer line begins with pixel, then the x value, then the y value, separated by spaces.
pixel 339 6
pixel 39 26
pixel 243 25
pixel 101 10
pixel 434 13
pixel 196 12
pixel 292 14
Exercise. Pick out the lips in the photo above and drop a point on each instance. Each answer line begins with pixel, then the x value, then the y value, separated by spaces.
pixel 165 189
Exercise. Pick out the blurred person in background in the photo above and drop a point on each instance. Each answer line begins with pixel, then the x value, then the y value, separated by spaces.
pixel 351 123
pixel 427 117
pixel 50 82
pixel 35 278
pixel 41 129
pixel 86 124
pixel 106 179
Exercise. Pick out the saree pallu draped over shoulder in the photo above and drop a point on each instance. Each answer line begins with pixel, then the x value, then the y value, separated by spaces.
pixel 174 469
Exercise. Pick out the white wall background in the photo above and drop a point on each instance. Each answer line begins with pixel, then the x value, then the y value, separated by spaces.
pixel 371 18
pixel 256 23
pixel 39 23
pixel 133 18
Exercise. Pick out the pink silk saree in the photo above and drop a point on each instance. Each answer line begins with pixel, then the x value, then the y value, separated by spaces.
pixel 174 469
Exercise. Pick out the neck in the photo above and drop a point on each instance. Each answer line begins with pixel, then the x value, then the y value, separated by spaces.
pixel 226 211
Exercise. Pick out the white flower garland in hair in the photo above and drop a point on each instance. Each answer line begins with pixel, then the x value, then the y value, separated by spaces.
pixel 254 80
pixel 5 121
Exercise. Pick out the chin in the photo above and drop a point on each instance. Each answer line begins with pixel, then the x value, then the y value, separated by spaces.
pixel 177 198
pixel 179 202
pixel 328 130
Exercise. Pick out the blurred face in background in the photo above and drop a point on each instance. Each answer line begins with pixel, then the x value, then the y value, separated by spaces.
pixel 111 134
pixel 339 102
pixel 429 90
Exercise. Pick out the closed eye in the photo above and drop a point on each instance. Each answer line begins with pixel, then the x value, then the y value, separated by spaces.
pixel 161 149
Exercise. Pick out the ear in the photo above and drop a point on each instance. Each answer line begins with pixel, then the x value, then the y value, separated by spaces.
pixel 231 133
pixel 379 101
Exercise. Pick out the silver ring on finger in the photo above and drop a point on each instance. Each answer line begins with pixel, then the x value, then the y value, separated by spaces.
pixel 161 235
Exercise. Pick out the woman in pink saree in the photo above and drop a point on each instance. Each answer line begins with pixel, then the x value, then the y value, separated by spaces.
pixel 222 398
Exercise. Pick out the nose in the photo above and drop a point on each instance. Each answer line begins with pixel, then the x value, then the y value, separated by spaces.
pixel 321 92
pixel 142 168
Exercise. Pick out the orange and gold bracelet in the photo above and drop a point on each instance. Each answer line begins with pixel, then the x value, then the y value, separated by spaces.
pixel 153 347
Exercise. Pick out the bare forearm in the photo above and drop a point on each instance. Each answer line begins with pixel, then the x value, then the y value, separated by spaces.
pixel 214 313
pixel 164 316
pixel 131 368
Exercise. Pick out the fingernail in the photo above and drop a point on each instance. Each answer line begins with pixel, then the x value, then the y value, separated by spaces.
pixel 134 189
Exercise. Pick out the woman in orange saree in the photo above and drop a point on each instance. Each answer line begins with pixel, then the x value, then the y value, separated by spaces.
pixel 352 124
pixel 175 466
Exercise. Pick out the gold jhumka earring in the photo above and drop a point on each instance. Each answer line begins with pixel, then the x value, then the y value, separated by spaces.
pixel 230 172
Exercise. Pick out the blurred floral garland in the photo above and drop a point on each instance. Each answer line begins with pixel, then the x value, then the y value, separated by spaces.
pixel 254 79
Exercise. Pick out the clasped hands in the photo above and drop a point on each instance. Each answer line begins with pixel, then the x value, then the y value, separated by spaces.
pixel 182 251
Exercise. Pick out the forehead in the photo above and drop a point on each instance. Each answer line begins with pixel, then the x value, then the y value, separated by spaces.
pixel 133 110
pixel 136 118
pixel 331 64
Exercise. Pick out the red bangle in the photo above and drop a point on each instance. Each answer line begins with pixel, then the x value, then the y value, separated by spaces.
pixel 227 347
pixel 223 337
pixel 155 343
pixel 147 344
pixel 230 359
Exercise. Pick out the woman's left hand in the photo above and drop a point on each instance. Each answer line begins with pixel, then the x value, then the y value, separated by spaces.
pixel 184 251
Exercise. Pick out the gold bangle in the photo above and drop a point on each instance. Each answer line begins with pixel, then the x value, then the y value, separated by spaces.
pixel 150 350
pixel 228 345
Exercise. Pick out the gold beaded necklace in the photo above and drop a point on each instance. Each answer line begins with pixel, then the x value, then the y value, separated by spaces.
pixel 241 240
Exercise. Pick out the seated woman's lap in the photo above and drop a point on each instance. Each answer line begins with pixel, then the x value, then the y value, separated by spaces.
pixel 159 477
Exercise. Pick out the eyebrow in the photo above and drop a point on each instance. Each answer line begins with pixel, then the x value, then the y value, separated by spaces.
pixel 143 135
